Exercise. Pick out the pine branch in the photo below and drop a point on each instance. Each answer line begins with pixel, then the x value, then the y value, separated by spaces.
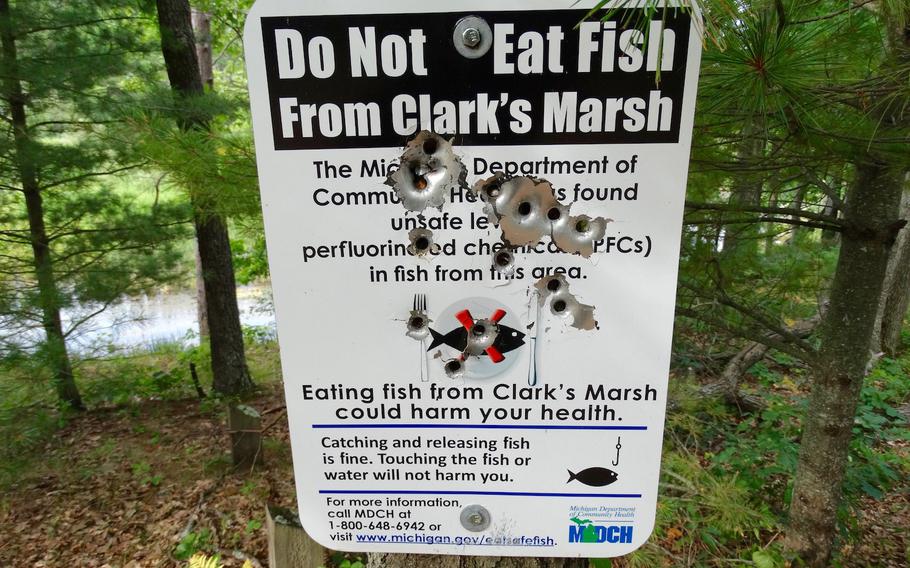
pixel 755 314
pixel 799 213
pixel 746 333
pixel 91 175
pixel 857 5
pixel 71 25
pixel 81 321
pixel 753 220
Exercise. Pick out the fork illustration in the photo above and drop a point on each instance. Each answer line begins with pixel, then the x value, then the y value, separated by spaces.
pixel 420 310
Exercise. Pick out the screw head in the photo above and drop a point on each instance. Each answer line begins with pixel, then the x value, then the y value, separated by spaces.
pixel 475 518
pixel 470 37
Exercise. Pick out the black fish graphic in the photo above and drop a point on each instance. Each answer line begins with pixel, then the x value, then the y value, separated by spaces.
pixel 507 340
pixel 594 476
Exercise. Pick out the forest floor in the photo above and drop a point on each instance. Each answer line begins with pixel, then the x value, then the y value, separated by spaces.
pixel 146 485
pixel 149 482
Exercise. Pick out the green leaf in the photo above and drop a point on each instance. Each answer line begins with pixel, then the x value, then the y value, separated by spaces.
pixel 764 559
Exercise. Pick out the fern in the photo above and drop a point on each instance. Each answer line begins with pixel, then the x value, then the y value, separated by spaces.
pixel 203 561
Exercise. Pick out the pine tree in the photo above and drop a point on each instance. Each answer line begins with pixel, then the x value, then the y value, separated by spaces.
pixel 178 46
pixel 69 240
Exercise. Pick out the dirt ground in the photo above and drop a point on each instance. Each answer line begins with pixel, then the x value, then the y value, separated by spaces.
pixel 144 485
pixel 123 488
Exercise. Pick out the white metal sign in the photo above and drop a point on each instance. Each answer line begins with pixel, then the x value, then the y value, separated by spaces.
pixel 473 214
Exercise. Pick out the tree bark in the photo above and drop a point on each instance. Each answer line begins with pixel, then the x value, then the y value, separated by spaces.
pixel 384 560
pixel 896 294
pixel 48 294
pixel 202 26
pixel 871 212
pixel 797 232
pixel 202 315
pixel 231 376
pixel 203 38
pixel 829 237
pixel 741 241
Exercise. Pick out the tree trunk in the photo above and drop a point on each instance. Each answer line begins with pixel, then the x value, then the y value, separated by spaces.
pixel 741 240
pixel 203 37
pixel 838 371
pixel 229 368
pixel 896 295
pixel 797 232
pixel 830 237
pixel 48 295
pixel 770 235
pixel 202 26
pixel 384 560
pixel 202 315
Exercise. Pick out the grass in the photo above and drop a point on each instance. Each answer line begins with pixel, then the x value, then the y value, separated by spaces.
pixel 726 477
pixel 30 415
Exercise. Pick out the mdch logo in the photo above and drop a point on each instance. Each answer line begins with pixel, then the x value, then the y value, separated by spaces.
pixel 586 531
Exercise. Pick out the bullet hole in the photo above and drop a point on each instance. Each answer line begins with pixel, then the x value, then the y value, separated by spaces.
pixel 421 242
pixel 454 368
pixel 416 322
pixel 504 262
pixel 554 291
pixel 478 330
pixel 512 203
pixel 429 171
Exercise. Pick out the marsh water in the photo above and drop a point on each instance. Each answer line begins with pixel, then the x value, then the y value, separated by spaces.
pixel 165 317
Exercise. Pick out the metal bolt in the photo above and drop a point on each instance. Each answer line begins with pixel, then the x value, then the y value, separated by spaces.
pixel 471 37
pixel 475 518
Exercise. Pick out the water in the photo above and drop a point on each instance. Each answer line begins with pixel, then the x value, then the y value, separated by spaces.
pixel 145 321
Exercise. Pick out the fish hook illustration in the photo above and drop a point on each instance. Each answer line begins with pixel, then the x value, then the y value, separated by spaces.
pixel 618 447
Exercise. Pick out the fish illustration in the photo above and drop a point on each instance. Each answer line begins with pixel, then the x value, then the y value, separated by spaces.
pixel 486 335
pixel 507 340
pixel 594 476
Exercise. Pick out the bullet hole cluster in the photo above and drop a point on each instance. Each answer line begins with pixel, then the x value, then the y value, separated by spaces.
pixel 527 210
pixel 429 171
pixel 553 292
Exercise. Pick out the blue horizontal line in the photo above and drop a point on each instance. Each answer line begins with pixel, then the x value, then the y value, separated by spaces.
pixel 506 493
pixel 480 426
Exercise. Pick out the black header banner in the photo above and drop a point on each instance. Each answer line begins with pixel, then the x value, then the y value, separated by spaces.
pixel 363 81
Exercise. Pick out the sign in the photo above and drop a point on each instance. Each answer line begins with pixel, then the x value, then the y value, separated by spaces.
pixel 473 216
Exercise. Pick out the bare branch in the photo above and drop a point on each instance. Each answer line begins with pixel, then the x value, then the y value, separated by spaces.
pixel 856 5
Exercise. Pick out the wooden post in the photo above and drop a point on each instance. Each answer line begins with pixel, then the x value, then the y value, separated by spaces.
pixel 289 545
pixel 245 426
